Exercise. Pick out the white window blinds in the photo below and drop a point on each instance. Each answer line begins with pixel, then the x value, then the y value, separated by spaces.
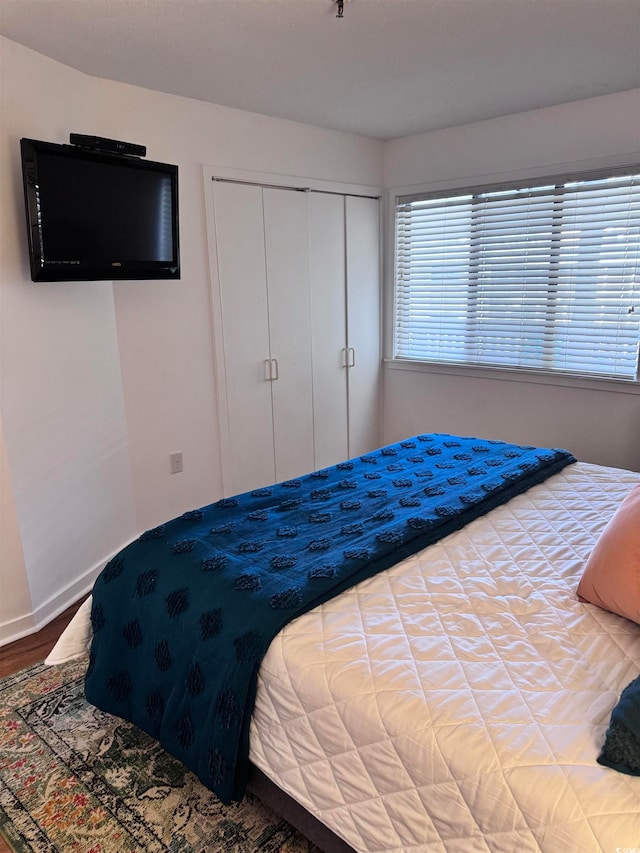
pixel 537 277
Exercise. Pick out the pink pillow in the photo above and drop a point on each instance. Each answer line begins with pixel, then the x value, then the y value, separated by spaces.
pixel 611 577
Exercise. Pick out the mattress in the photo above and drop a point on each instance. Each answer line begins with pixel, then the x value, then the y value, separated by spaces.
pixel 458 701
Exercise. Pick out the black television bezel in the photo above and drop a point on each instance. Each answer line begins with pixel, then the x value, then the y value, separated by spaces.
pixel 43 270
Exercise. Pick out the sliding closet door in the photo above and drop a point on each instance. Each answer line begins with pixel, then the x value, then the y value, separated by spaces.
pixel 239 235
pixel 328 326
pixel 287 260
pixel 363 322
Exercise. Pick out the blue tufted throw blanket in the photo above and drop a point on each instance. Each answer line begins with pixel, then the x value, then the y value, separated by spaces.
pixel 621 748
pixel 183 616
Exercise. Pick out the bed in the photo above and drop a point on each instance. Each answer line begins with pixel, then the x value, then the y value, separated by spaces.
pixel 458 699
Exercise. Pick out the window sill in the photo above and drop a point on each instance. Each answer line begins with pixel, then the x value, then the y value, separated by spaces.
pixel 566 380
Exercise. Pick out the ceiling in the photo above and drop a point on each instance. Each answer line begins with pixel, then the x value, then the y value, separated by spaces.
pixel 388 68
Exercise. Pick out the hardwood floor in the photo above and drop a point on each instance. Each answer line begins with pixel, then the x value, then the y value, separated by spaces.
pixel 30 650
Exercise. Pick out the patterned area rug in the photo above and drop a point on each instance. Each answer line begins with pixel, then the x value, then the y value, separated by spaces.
pixel 77 780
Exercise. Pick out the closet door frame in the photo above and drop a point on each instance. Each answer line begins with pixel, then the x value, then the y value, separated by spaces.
pixel 264 179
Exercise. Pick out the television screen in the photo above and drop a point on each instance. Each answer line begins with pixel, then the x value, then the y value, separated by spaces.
pixel 94 215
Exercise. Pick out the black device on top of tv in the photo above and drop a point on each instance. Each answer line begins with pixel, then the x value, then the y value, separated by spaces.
pixel 111 146
pixel 94 214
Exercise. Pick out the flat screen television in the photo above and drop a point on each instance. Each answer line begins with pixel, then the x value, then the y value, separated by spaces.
pixel 94 215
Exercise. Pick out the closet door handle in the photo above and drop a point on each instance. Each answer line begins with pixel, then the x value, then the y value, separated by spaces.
pixel 271 371
pixel 352 361
pixel 345 357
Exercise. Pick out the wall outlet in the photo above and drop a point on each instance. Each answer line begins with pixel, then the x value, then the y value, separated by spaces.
pixel 175 460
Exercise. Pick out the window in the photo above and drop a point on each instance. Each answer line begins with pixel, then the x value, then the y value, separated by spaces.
pixel 543 277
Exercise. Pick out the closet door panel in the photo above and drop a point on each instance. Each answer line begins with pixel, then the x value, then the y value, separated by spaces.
pixel 287 260
pixel 328 326
pixel 363 325
pixel 243 297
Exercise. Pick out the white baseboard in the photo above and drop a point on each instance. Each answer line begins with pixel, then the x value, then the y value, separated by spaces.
pixel 31 623
pixel 15 629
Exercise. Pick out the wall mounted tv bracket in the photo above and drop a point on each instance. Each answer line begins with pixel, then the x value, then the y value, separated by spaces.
pixel 107 146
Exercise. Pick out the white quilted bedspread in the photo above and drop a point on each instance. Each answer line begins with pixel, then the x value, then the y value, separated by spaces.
pixel 458 701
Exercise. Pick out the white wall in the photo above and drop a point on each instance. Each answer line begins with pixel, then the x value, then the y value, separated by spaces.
pixel 100 382
pixel 601 426
pixel 67 473
pixel 14 589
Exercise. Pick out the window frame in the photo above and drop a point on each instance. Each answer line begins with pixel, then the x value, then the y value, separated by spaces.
pixel 509 181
